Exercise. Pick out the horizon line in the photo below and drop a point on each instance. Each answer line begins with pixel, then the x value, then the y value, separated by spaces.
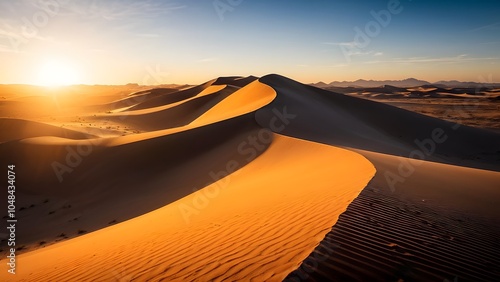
pixel 190 84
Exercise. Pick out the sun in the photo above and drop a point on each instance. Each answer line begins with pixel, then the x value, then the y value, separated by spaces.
pixel 57 73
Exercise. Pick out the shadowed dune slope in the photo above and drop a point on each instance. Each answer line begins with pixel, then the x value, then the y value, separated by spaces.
pixel 172 115
pixel 243 101
pixel 342 120
pixel 440 223
pixel 469 191
pixel 417 221
pixel 165 97
pixel 133 99
pixel 16 129
pixel 168 97
pixel 235 80
pixel 103 183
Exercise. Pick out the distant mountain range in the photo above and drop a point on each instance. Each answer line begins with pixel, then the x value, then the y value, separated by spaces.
pixel 409 82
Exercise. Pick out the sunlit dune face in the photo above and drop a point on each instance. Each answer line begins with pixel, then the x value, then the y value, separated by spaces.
pixel 57 73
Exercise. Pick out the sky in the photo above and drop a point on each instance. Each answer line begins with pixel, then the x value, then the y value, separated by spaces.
pixel 192 41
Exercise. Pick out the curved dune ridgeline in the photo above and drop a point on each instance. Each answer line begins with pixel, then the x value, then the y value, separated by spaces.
pixel 259 223
pixel 104 173
pixel 342 120
pixel 417 220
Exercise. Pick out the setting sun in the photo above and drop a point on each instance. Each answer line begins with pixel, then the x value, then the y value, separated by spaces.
pixel 57 73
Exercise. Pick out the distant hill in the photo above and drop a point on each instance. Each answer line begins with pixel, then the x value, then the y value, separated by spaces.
pixel 461 84
pixel 321 84
pixel 409 82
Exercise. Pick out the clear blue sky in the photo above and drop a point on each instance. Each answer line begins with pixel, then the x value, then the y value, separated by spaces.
pixel 121 41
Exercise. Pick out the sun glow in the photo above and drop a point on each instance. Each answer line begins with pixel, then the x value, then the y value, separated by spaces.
pixel 57 73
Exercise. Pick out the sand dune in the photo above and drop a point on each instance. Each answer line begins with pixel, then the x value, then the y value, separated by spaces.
pixel 167 97
pixel 235 80
pixel 172 115
pixel 226 234
pixel 440 206
pixel 64 169
pixel 159 168
pixel 441 223
pixel 250 98
pixel 474 192
pixel 132 99
pixel 241 179
pixel 343 120
pixel 30 102
pixel 16 129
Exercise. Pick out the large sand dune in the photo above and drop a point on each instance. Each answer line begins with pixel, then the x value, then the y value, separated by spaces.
pixel 417 219
pixel 441 223
pixel 358 123
pixel 202 183
pixel 258 223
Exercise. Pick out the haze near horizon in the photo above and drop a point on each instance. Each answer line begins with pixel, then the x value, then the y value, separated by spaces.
pixel 61 42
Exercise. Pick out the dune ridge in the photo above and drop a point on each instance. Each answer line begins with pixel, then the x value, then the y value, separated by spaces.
pixel 125 158
pixel 342 120
pixel 440 203
pixel 239 214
